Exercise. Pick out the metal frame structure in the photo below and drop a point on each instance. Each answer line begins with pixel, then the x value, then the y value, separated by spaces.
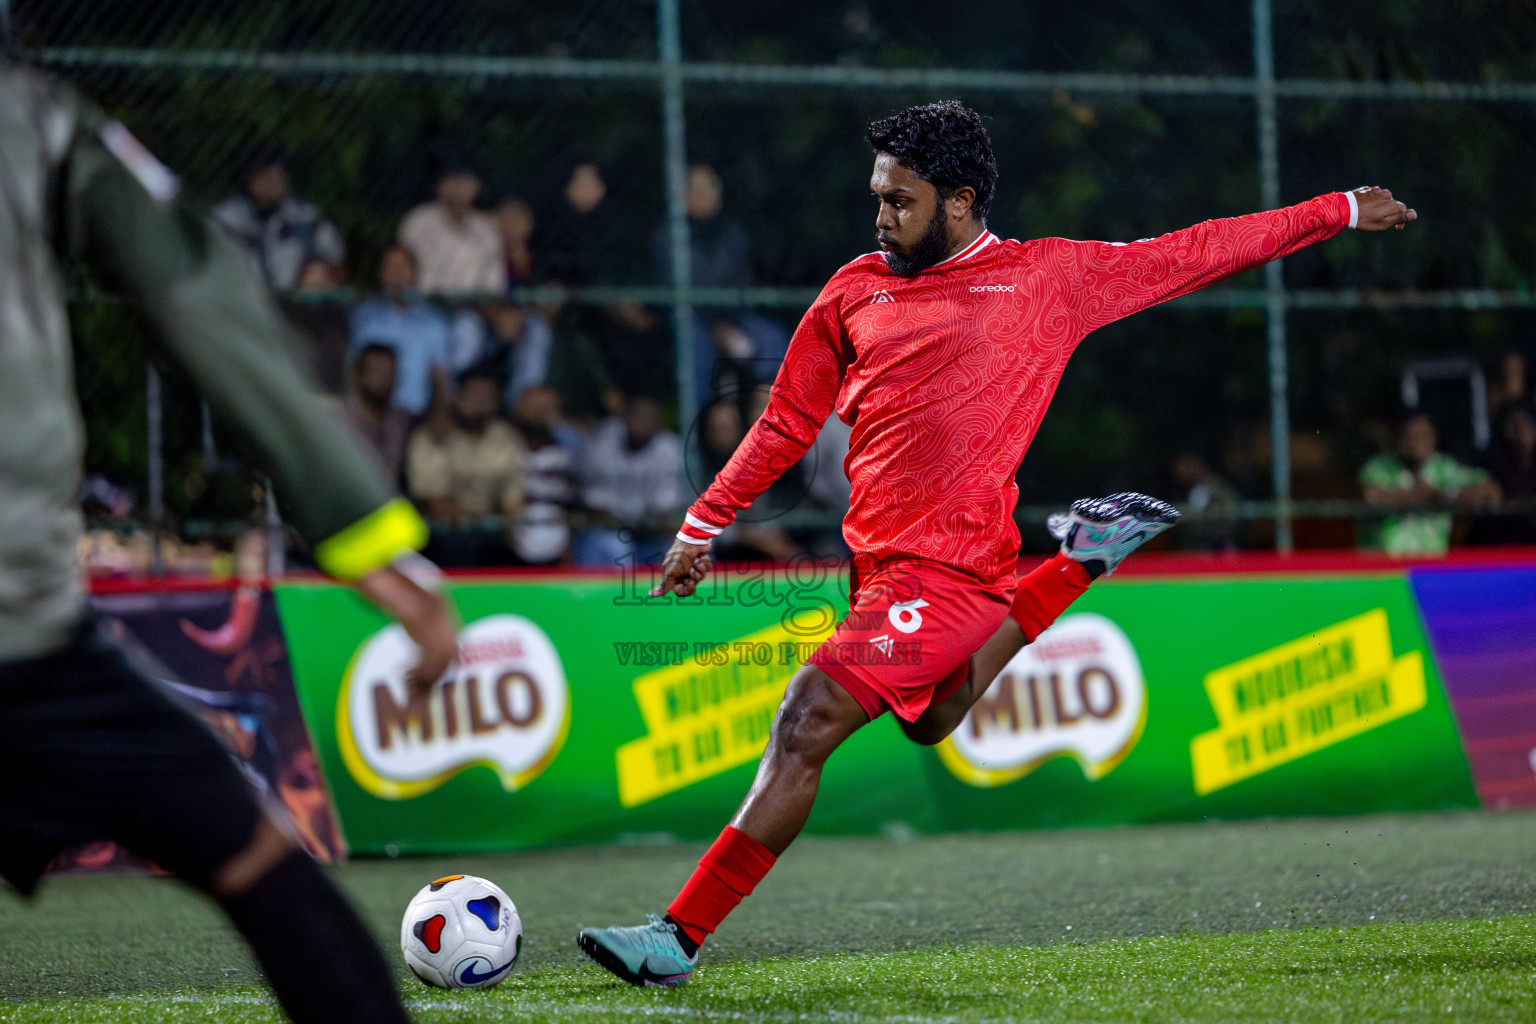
pixel 672 75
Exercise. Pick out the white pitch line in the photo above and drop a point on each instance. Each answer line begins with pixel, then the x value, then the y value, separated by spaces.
pixel 547 1010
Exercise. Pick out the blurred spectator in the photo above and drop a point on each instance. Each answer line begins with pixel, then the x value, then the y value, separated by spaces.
pixel 732 348
pixel 1510 384
pixel 317 278
pixel 755 534
pixel 370 408
pixel 1318 474
pixel 720 431
pixel 470 471
pixel 579 242
pixel 284 231
pixel 458 247
pixel 1416 474
pixel 830 488
pixel 313 309
pixel 631 475
pixel 415 329
pixel 788 493
pixel 1211 502
pixel 516 224
pixel 100 498
pixel 1514 467
pixel 1245 456
pixel 635 349
pixel 549 481
pixel 508 340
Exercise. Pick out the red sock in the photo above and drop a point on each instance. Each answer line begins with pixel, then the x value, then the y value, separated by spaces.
pixel 1045 593
pixel 728 871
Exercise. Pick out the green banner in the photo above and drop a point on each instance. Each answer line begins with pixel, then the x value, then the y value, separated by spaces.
pixel 581 711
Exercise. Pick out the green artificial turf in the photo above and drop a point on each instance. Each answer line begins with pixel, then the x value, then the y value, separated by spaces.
pixel 1400 918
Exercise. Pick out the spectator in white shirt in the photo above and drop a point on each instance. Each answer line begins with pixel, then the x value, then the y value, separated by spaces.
pixel 631 477
pixel 458 248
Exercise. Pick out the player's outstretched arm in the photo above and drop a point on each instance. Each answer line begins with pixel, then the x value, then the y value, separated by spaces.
pixel 1379 211
pixel 683 569
pixel 1103 282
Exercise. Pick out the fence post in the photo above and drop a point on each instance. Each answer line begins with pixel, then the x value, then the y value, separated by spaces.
pixel 674 128
pixel 1274 276
pixel 155 428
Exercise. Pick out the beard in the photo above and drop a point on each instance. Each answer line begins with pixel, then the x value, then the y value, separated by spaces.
pixel 925 252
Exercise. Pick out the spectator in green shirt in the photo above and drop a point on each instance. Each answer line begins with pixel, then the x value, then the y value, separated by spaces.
pixel 1421 485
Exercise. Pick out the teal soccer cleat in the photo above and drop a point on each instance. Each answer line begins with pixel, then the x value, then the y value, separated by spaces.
pixel 1107 529
pixel 647 954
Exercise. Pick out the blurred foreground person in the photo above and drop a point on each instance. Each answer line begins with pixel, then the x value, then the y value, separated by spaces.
pixel 942 352
pixel 90 748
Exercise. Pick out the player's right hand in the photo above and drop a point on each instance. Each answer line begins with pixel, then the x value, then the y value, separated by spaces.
pixel 683 568
pixel 427 617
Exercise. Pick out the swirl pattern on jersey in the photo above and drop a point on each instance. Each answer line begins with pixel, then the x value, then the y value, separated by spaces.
pixel 945 377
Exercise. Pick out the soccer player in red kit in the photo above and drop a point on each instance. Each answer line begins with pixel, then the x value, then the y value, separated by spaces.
pixel 942 352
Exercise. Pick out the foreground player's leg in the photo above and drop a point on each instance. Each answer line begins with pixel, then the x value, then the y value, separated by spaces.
pixel 816 717
pixel 90 748
pixel 1096 536
pixel 317 955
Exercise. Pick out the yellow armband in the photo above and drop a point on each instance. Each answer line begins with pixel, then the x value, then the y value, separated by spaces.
pixel 373 541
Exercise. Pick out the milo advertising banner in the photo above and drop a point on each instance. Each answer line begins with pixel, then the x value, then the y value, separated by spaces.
pixel 582 711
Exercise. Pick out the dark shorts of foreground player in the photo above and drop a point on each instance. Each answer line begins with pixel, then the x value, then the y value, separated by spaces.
pixel 909 635
pixel 91 749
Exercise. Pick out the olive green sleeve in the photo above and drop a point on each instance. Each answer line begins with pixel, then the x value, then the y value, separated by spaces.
pixel 211 314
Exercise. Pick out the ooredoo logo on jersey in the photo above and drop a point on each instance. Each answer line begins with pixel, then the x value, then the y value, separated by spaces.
pixel 1077 692
pixel 505 705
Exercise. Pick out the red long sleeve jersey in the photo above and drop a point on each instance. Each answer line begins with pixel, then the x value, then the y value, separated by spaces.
pixel 944 376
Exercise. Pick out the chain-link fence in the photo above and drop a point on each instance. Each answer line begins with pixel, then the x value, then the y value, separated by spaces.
pixel 1116 121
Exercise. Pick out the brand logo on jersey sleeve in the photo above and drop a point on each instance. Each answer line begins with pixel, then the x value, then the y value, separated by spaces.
pixel 882 296
pixel 994 287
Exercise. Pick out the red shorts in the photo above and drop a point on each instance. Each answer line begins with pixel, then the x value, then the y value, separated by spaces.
pixel 910 633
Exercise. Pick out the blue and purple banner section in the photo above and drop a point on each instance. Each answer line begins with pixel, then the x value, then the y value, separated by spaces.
pixel 1482 626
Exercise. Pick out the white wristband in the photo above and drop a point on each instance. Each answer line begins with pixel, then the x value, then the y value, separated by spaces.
pixel 419 569
pixel 1354 209
pixel 697 531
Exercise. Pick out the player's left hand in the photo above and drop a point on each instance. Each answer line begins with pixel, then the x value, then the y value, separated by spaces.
pixel 684 566
pixel 1379 211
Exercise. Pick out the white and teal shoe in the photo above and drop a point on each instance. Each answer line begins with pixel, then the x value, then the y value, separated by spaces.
pixel 1105 530
pixel 647 954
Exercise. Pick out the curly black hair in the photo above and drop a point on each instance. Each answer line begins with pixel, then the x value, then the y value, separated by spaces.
pixel 945 144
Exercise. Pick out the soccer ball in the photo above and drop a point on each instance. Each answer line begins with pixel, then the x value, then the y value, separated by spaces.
pixel 461 932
